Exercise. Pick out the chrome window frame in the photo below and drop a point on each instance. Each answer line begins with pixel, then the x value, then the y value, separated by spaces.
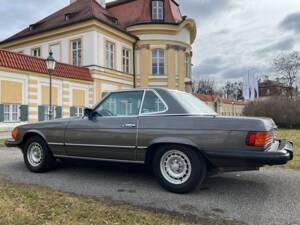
pixel 160 98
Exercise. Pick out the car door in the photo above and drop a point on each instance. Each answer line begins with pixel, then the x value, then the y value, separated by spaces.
pixel 111 133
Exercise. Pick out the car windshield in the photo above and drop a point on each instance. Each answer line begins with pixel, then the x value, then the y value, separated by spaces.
pixel 192 104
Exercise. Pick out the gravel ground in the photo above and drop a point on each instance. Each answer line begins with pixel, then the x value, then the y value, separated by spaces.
pixel 266 197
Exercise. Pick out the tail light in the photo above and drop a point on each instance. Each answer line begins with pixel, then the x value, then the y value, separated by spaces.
pixel 260 139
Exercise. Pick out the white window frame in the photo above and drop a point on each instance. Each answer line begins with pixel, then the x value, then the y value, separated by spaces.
pixel 110 55
pixel 79 111
pixel 77 52
pixel 10 113
pixel 47 112
pixel 126 60
pixel 157 10
pixel 156 58
pixel 36 52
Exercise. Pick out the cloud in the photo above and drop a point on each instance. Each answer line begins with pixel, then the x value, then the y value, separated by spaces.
pixel 282 45
pixel 206 9
pixel 210 66
pixel 291 22
pixel 21 14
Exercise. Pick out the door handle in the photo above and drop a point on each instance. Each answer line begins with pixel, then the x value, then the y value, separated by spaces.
pixel 129 125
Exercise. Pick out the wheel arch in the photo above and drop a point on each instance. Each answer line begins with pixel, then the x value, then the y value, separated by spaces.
pixel 32 133
pixel 172 141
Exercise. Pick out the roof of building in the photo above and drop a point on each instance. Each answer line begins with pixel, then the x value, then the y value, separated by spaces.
pixel 119 14
pixel 213 98
pixel 79 11
pixel 132 12
pixel 28 63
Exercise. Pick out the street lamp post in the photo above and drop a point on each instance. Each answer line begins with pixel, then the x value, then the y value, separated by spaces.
pixel 51 63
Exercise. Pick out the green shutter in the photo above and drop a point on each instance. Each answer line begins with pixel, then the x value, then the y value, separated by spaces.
pixel 24 113
pixel 58 112
pixel 41 113
pixel 72 111
pixel 1 113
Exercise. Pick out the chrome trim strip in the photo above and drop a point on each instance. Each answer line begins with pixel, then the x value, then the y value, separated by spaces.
pixel 57 144
pixel 142 147
pixel 100 146
pixel 99 159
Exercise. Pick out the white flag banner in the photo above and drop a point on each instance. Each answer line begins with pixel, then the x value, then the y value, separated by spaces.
pixel 246 87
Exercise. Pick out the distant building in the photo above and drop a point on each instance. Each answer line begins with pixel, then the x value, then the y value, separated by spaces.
pixel 224 107
pixel 271 88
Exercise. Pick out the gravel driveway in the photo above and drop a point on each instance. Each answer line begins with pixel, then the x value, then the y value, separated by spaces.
pixel 271 196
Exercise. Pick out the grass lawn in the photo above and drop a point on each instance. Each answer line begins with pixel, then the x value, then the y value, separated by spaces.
pixel 24 204
pixel 293 135
pixel 2 142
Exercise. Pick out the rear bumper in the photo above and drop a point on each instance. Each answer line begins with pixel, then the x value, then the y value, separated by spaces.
pixel 11 143
pixel 279 153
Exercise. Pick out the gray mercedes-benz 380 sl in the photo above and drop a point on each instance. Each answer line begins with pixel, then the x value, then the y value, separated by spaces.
pixel 179 136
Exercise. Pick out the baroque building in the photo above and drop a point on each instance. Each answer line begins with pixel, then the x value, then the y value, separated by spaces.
pixel 123 44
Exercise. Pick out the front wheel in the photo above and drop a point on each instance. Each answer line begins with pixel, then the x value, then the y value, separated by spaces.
pixel 179 169
pixel 37 155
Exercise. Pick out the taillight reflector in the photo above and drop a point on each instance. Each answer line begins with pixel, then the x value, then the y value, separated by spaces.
pixel 260 139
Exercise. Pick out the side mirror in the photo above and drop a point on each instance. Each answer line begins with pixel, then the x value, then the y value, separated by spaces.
pixel 88 112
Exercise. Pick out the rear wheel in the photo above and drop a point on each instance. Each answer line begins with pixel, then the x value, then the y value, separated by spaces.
pixel 37 155
pixel 179 169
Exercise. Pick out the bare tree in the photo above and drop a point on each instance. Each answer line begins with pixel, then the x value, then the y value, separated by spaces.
pixel 287 66
pixel 233 90
pixel 206 87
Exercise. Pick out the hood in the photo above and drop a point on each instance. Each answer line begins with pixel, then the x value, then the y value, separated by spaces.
pixel 48 124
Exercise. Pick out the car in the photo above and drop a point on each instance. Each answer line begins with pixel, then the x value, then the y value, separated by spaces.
pixel 180 137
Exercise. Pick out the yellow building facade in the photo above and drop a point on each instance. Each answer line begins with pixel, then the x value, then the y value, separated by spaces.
pixel 151 48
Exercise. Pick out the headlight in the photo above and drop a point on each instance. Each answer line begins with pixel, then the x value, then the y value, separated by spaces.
pixel 15 133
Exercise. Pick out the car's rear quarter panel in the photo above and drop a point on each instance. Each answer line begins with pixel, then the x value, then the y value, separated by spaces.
pixel 206 133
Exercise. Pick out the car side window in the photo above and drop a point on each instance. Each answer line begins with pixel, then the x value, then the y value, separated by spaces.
pixel 121 104
pixel 153 103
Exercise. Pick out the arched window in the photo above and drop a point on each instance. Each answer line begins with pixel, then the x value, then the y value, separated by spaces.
pixel 158 10
pixel 158 61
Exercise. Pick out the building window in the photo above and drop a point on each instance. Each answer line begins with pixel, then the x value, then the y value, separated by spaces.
pixel 36 52
pixel 79 111
pixel 158 10
pixel 158 62
pixel 126 60
pixel 47 112
pixel 76 52
pixel 110 55
pixel 187 65
pixel 11 113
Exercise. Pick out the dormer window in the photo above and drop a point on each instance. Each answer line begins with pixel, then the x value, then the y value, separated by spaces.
pixel 69 16
pixel 158 10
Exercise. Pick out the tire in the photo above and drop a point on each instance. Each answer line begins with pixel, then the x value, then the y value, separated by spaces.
pixel 179 169
pixel 37 155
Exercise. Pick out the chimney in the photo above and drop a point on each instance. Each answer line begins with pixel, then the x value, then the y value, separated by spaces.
pixel 101 2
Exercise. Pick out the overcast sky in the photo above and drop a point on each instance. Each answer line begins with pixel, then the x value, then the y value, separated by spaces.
pixel 234 36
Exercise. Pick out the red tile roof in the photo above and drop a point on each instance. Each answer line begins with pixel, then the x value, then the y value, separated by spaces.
pixel 28 63
pixel 79 11
pixel 131 12
pixel 119 14
pixel 210 98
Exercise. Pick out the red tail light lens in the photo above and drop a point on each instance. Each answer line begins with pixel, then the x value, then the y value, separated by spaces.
pixel 260 139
